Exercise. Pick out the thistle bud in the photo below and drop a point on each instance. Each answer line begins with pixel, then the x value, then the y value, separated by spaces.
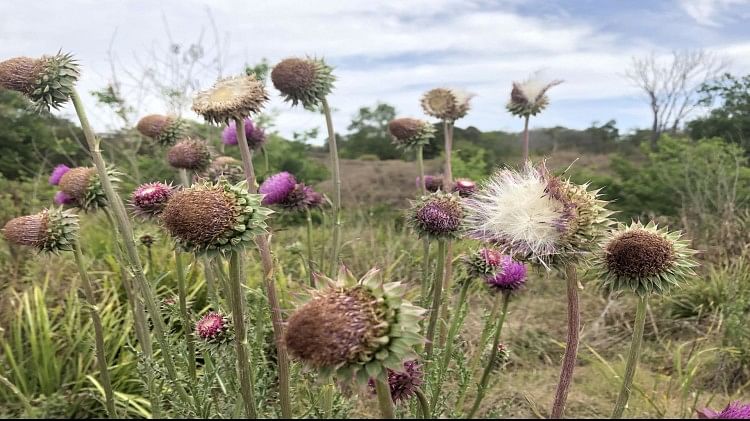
pixel 82 186
pixel 51 230
pixel 510 276
pixel 437 215
pixel 408 133
pixel 213 328
pixel 48 81
pixel 482 262
pixel 277 188
pixel 224 167
pixel 306 81
pixel 148 200
pixel 403 383
pixel 190 154
pixel 464 187
pixel 164 129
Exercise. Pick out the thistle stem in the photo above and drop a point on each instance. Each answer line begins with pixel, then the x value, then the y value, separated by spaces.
pixel 447 187
pixel 126 234
pixel 385 401
pixel 210 283
pixel 420 166
pixel 425 271
pixel 482 386
pixel 240 342
pixel 184 177
pixel 633 356
pixel 186 322
pixel 525 138
pixel 424 406
pixel 310 268
pixel 333 150
pixel 448 171
pixel 101 358
pixel 437 290
pixel 268 283
pixel 571 346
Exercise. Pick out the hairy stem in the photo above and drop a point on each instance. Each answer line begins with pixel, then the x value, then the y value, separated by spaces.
pixel 425 289
pixel 240 342
pixel 420 166
pixel 185 316
pixel 424 406
pixel 447 187
pixel 633 356
pixel 525 138
pixel 333 150
pixel 385 401
pixel 310 265
pixel 571 346
pixel 437 290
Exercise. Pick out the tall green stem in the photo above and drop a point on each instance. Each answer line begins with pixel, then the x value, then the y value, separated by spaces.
pixel 437 290
pixel 571 346
pixel 424 406
pixel 425 288
pixel 186 322
pixel 333 150
pixel 101 358
pixel 310 265
pixel 264 248
pixel 482 386
pixel 208 272
pixel 184 177
pixel 126 234
pixel 525 138
pixel 420 167
pixel 633 356
pixel 240 332
pixel 448 187
pixel 385 401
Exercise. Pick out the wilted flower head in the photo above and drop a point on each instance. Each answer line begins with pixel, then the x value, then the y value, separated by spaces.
pixel 62 198
pixel 277 188
pixel 432 183
pixel 403 383
pixel 190 154
pixel 464 187
pixel 213 327
pixel 211 218
pixel 149 199
pixel 536 215
pixel 734 411
pixel 437 215
pixel 164 129
pixel 307 81
pixel 57 173
pixel 224 167
pixel 446 103
pixel 255 135
pixel 529 97
pixel 482 262
pixel 302 197
pixel 410 132
pixel 82 186
pixel 231 98
pixel 50 230
pixel 354 327
pixel 48 81
pixel 509 277
pixel 643 259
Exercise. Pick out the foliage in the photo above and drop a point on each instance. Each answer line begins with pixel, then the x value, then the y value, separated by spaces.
pixel 730 120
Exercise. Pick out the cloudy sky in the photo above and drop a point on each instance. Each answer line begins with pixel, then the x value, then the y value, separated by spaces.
pixel 386 50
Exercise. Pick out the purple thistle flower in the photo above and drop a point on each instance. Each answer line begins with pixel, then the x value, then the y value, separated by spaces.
pixel 57 173
pixel 510 277
pixel 149 199
pixel 464 187
pixel 277 188
pixel 734 411
pixel 432 183
pixel 312 199
pixel 255 135
pixel 403 384
pixel 211 327
pixel 62 198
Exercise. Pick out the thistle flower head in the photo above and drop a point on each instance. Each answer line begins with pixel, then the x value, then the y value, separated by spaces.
pixel 48 81
pixel 255 135
pixel 482 262
pixel 62 198
pixel 231 98
pixel 277 188
pixel 163 129
pixel 213 328
pixel 57 173
pixel 214 218
pixel 307 81
pixel 537 216
pixel 51 230
pixel 464 187
pixel 509 277
pixel 148 200
pixel 643 259
pixel 82 186
pixel 302 197
pixel 224 167
pixel 408 133
pixel 354 327
pixel 189 154
pixel 734 411
pixel 446 103
pixel 432 183
pixel 403 383
pixel 437 215
pixel 529 97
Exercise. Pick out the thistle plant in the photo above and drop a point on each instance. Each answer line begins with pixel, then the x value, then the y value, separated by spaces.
pixel 529 98
pixel 47 82
pixel 356 329
pixel 464 187
pixel 404 384
pixel 148 200
pixel 410 133
pixel 254 135
pixel 222 167
pixel 52 231
pixel 213 328
pixel 82 187
pixel 165 130
pixel 432 183
pixel 644 260
pixel 189 154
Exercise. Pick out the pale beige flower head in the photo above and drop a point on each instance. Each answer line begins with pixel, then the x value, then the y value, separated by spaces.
pixel 231 98
pixel 446 103
pixel 529 97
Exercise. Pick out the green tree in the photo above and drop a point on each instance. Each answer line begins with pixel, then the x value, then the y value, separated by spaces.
pixel 369 134
pixel 731 118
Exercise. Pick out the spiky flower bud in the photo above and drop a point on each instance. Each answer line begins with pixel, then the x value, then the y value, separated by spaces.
pixel 57 173
pixel 307 81
pixel 432 183
pixel 163 129
pixel 408 133
pixel 510 276
pixel 482 262
pixel 354 327
pixel 529 98
pixel 62 198
pixel 212 218
pixel 51 230
pixel 189 154
pixel 643 259
pixel 404 382
pixel 231 98
pixel 148 200
pixel 446 103
pixel 277 188
pixel 224 167
pixel 255 135
pixel 734 411
pixel 437 215
pixel 464 187
pixel 82 185
pixel 213 328
pixel 48 81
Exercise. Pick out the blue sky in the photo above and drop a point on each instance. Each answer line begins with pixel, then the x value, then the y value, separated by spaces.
pixel 390 51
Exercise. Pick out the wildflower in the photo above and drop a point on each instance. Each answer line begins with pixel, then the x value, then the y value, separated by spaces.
pixel 57 173
pixel 437 215
pixel 62 198
pixel 509 277
pixel 301 197
pixel 190 154
pixel 446 103
pixel 51 230
pixel 211 218
pixel 82 187
pixel 213 327
pixel 734 411
pixel 432 183
pixel 277 188
pixel 643 259
pixel 529 97
pixel 149 199
pixel 224 167
pixel 404 382
pixel 307 81
pixel 482 262
pixel 354 327
pixel 464 187
pixel 231 98
pixel 410 132
pixel 255 135
pixel 48 81
pixel 163 129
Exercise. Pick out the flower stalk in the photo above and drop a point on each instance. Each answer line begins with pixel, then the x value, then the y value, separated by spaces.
pixel 310 268
pixel 526 138
pixel 333 150
pixel 185 316
pixel 571 346
pixel 437 291
pixel 383 390
pixel 240 342
pixel 633 357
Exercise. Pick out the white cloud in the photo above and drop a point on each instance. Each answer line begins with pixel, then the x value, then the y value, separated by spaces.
pixel 710 12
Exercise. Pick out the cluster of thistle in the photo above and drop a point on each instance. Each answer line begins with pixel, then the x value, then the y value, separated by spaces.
pixel 80 187
pixel 463 186
pixel 51 230
pixel 283 190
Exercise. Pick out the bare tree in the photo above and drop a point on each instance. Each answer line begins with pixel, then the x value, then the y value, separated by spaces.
pixel 671 84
